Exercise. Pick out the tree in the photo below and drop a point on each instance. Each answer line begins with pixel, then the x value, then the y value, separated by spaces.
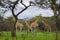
pixel 12 6
pixel 53 5
pixel 56 10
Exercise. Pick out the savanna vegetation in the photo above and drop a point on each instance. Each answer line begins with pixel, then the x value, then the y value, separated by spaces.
pixel 36 28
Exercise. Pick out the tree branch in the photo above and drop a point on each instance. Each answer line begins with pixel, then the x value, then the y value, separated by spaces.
pixel 14 7
pixel 24 9
pixel 15 4
pixel 22 3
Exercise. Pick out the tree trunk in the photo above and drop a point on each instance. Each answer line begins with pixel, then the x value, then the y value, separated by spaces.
pixel 56 28
pixel 56 24
pixel 13 31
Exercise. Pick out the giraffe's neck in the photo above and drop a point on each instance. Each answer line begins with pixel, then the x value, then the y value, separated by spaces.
pixel 17 22
pixel 46 24
pixel 36 21
pixel 27 24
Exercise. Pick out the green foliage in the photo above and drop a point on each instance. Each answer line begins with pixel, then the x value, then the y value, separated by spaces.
pixel 1 17
pixel 41 1
pixel 10 19
pixel 53 1
pixel 30 36
pixel 1 3
pixel 36 17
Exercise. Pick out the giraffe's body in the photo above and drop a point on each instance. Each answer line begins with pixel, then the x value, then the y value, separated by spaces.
pixel 28 26
pixel 35 24
pixel 47 26
pixel 19 25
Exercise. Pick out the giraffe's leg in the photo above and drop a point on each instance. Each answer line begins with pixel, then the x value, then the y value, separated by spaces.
pixel 20 29
pixel 16 29
pixel 31 30
pixel 44 29
pixel 47 30
pixel 50 29
pixel 34 29
pixel 28 30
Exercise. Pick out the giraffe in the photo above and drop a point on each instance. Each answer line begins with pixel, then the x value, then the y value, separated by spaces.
pixel 18 24
pixel 47 26
pixel 28 26
pixel 35 24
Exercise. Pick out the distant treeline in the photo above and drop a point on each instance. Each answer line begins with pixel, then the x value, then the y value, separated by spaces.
pixel 7 24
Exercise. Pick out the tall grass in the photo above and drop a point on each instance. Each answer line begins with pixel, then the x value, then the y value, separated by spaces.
pixel 29 36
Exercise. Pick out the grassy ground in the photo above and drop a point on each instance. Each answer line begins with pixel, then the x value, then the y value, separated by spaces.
pixel 29 36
